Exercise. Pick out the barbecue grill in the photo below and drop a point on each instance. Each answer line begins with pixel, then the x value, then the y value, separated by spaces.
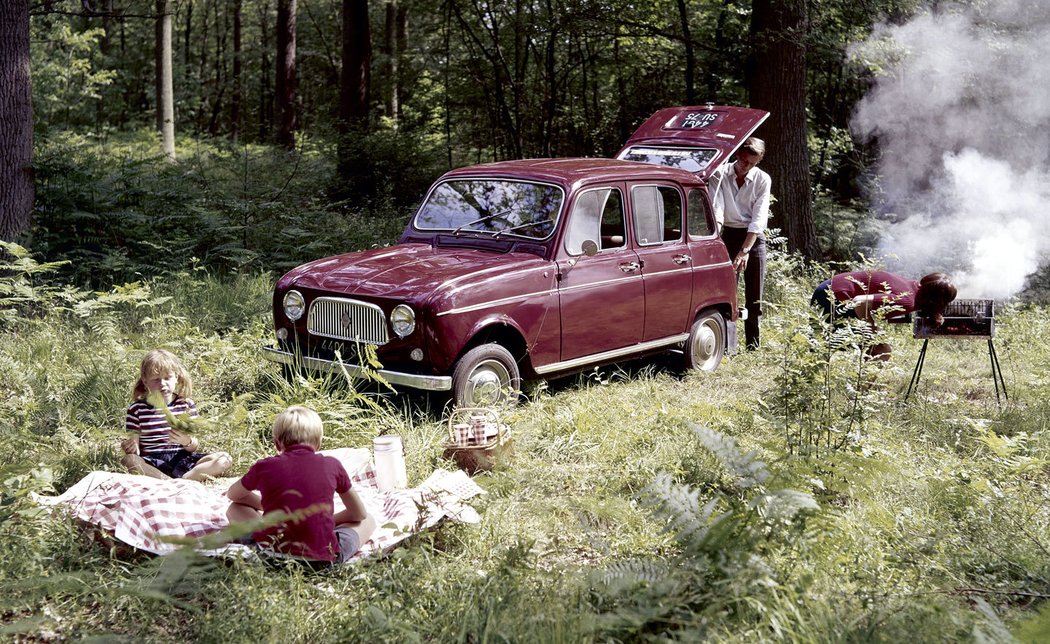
pixel 962 319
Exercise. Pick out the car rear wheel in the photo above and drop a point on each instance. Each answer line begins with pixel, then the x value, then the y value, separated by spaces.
pixel 486 375
pixel 707 342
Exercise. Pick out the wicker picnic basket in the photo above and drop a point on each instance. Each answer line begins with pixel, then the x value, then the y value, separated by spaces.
pixel 477 440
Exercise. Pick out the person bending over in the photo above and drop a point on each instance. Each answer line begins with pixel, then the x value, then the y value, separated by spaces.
pixel 302 483
pixel 862 293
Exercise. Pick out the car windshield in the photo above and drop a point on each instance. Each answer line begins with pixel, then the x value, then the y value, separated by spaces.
pixel 691 159
pixel 492 206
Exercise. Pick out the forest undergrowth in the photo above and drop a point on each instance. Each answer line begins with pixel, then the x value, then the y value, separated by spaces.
pixel 791 495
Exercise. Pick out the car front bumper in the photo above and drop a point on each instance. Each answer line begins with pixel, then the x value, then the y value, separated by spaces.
pixel 397 378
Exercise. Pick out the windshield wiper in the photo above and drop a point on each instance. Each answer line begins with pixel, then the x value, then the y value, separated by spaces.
pixel 481 220
pixel 531 224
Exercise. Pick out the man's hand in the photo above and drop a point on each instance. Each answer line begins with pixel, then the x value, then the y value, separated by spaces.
pixel 740 263
pixel 130 445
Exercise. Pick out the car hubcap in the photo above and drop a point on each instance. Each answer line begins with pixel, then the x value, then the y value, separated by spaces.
pixel 487 383
pixel 705 345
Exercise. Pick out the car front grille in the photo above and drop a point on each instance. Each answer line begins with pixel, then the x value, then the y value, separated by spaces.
pixel 343 319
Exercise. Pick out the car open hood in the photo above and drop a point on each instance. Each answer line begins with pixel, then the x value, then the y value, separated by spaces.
pixel 404 270
pixel 717 128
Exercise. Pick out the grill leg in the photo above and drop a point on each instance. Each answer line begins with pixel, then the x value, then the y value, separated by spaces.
pixel 917 373
pixel 997 372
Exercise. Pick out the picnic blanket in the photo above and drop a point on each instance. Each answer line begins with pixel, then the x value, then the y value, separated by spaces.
pixel 146 513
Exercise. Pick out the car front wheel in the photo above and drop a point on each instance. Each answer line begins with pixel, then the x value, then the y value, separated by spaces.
pixel 486 375
pixel 707 342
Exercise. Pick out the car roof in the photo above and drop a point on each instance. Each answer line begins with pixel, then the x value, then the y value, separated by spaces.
pixel 570 171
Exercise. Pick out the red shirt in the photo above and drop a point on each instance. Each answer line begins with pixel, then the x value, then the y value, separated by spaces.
pixel 888 289
pixel 294 480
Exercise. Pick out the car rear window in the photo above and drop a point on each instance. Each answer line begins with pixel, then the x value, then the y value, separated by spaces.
pixel 492 206
pixel 691 159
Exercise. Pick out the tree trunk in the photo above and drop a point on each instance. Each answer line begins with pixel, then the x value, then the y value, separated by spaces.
pixel 354 90
pixel 778 84
pixel 16 120
pixel 235 100
pixel 187 36
pixel 690 56
pixel 355 81
pixel 391 54
pixel 265 87
pixel 285 86
pixel 164 90
pixel 400 49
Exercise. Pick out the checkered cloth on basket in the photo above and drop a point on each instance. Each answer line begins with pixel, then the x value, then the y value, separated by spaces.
pixel 142 511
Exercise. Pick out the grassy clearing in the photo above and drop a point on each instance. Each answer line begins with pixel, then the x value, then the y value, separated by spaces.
pixel 615 520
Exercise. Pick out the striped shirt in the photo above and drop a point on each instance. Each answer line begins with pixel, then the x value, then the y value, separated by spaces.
pixel 153 428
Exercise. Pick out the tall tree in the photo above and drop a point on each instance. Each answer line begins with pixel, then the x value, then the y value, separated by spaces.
pixel 354 89
pixel 285 84
pixel 165 92
pixel 356 79
pixel 690 56
pixel 16 120
pixel 235 100
pixel 391 55
pixel 778 84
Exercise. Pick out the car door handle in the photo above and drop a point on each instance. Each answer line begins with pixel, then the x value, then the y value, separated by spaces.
pixel 630 267
pixel 680 259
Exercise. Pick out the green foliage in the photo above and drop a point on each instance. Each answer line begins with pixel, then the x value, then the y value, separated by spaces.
pixel 24 290
pixel 67 75
pixel 727 534
pixel 638 503
pixel 116 212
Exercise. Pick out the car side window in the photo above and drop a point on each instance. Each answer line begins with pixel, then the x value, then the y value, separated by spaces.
pixel 699 224
pixel 598 216
pixel 657 214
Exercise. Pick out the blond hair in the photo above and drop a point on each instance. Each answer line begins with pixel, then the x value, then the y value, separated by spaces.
pixel 159 363
pixel 298 425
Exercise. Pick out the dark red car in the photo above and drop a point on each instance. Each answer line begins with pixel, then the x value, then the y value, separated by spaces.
pixel 528 269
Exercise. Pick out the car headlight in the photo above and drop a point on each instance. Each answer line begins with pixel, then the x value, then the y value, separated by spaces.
pixel 294 305
pixel 403 320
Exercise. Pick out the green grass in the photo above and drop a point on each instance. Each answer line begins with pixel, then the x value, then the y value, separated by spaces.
pixel 931 522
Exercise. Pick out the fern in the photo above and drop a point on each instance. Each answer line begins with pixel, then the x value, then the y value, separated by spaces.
pixel 621 576
pixel 727 541
pixel 679 505
pixel 747 471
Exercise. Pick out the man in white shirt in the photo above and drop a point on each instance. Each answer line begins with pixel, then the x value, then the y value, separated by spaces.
pixel 741 201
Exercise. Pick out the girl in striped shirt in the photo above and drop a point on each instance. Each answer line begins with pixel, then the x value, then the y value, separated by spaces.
pixel 153 447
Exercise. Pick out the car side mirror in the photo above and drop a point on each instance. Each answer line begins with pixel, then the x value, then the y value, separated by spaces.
pixel 589 247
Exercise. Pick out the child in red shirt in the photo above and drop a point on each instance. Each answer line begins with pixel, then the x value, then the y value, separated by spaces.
pixel 301 483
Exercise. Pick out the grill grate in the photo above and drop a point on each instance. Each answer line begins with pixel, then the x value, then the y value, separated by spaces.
pixel 962 318
pixel 343 319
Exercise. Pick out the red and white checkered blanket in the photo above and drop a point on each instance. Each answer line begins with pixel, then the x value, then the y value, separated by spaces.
pixel 147 513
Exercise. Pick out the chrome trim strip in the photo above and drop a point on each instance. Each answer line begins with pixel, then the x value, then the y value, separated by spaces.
pixel 610 355
pixel 698 267
pixel 618 280
pixel 499 302
pixel 687 269
pixel 416 381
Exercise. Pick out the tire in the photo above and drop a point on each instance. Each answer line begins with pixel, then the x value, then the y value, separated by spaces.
pixel 707 342
pixel 486 376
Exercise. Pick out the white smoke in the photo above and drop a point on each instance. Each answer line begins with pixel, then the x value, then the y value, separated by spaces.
pixel 961 111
